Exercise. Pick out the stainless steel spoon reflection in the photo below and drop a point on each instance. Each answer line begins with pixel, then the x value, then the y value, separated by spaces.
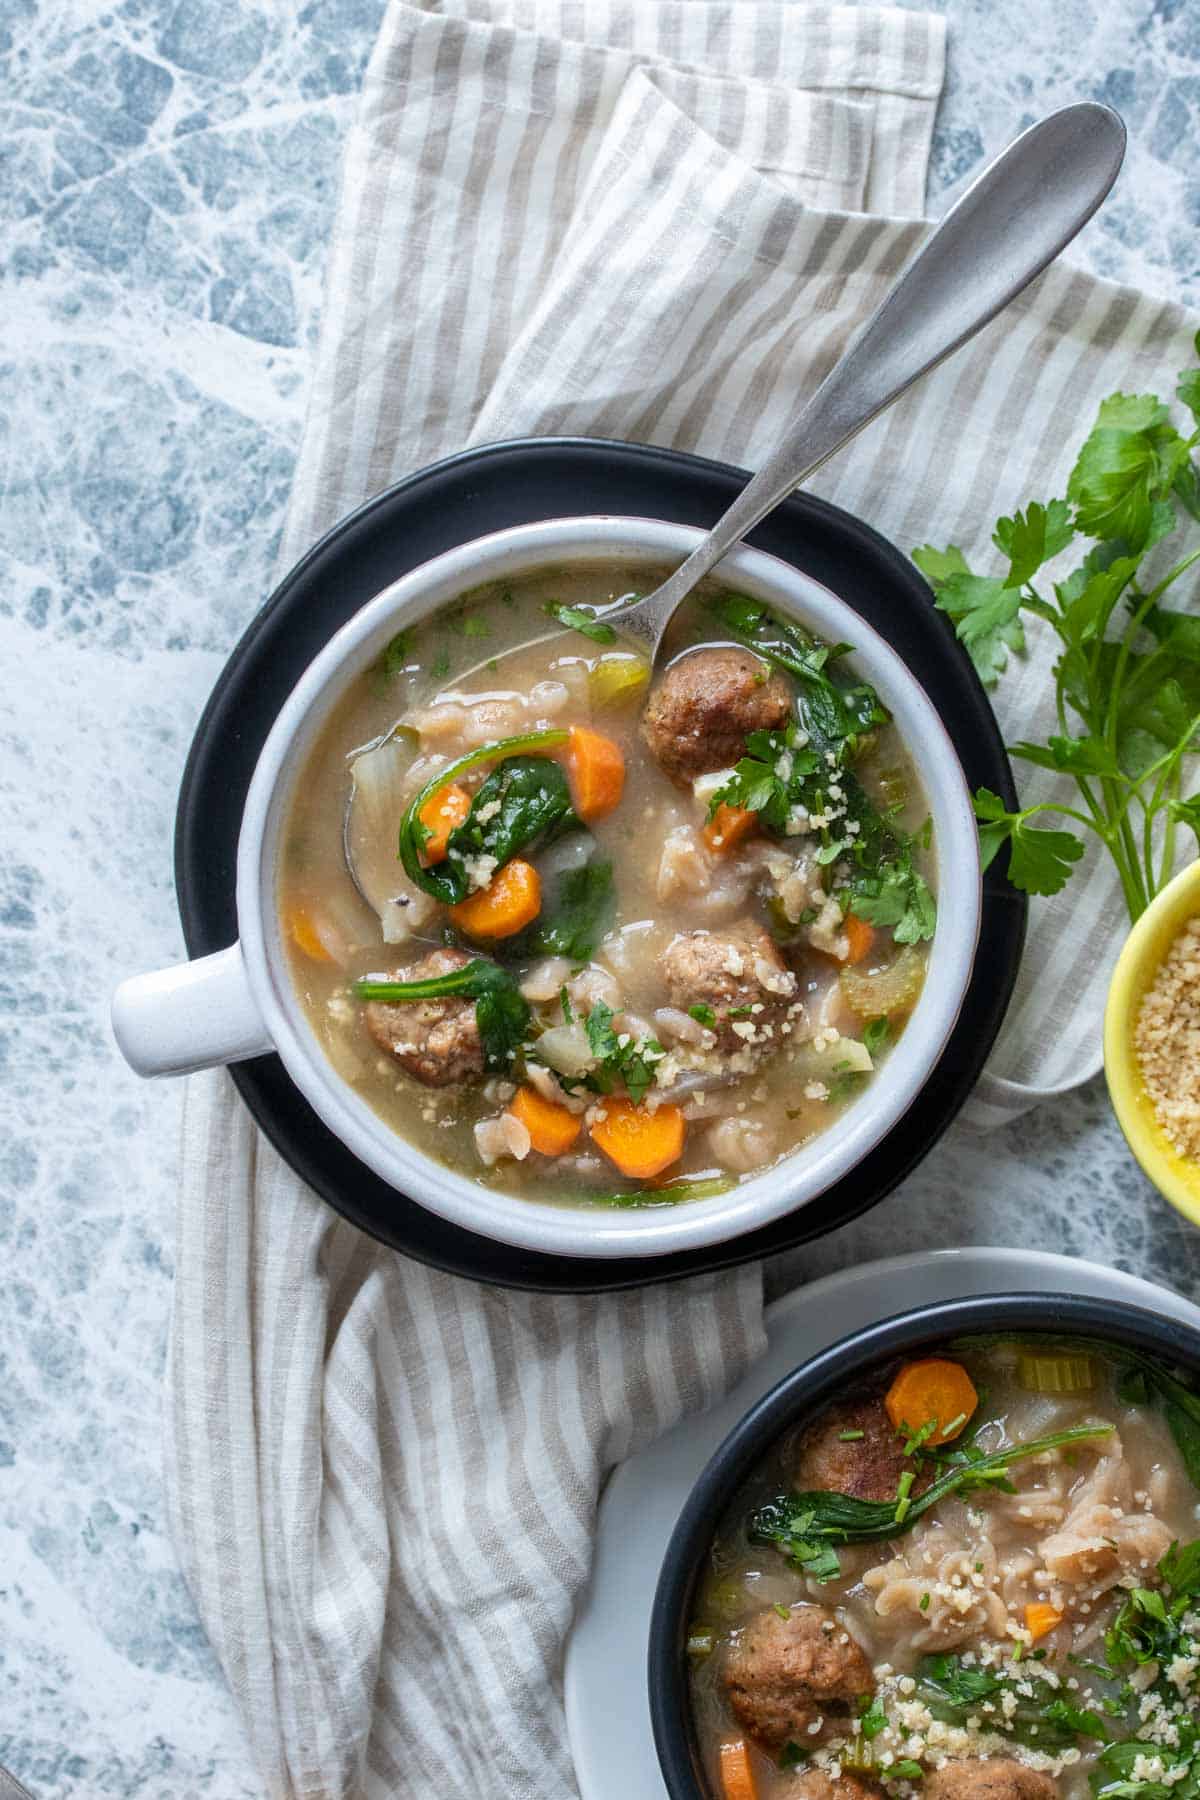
pixel 1009 225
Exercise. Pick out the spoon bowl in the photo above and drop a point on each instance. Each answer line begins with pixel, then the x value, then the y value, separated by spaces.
pixel 1011 223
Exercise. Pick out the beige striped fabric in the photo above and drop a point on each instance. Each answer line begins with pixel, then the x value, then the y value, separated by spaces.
pixel 655 219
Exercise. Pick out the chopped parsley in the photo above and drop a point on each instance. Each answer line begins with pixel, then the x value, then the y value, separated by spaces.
pixel 620 1058
pixel 796 790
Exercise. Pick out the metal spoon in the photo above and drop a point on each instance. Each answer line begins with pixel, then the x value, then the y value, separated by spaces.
pixel 1009 225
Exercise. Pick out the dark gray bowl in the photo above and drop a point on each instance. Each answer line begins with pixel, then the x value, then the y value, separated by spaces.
pixel 800 1393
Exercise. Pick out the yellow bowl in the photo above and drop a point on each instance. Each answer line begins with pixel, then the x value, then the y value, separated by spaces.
pixel 1175 1176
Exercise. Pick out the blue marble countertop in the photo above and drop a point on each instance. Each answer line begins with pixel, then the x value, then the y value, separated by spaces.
pixel 167 177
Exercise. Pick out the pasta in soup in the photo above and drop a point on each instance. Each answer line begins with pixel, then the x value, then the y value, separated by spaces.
pixel 975 1577
pixel 589 936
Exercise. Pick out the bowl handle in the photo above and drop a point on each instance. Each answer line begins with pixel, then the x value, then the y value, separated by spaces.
pixel 194 1016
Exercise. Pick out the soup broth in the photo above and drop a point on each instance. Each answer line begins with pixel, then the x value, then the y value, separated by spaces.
pixel 703 961
pixel 1008 1641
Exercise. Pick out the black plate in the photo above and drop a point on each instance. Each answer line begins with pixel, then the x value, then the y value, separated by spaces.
pixel 462 498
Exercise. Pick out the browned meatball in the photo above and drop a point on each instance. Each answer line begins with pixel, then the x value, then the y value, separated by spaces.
pixel 868 1467
pixel 783 1675
pixel 992 1778
pixel 816 1784
pixel 435 1040
pixel 698 716
pixel 728 971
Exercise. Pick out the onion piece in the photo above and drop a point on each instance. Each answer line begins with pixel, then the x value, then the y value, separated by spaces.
pixel 565 1048
pixel 380 789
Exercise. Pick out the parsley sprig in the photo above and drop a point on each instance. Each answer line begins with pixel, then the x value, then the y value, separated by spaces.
pixel 1127 676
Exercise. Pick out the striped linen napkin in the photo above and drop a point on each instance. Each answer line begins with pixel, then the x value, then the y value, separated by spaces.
pixel 653 219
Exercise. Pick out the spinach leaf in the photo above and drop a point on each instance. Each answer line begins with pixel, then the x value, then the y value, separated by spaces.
pixel 672 1193
pixel 523 802
pixel 581 619
pixel 954 1691
pixel 579 917
pixel 501 1012
pixel 832 712
pixel 447 881
pixel 844 1519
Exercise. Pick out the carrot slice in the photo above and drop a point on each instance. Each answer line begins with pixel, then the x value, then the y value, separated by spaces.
pixel 1041 1617
pixel 737 1777
pixel 596 772
pixel 641 1143
pixel 933 1389
pixel 510 902
pixel 552 1129
pixel 860 935
pixel 440 814
pixel 728 826
pixel 303 933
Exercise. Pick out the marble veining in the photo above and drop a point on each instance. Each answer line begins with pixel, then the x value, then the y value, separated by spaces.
pixel 168 174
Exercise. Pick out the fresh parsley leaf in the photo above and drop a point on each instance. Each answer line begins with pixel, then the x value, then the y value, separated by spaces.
pixel 1032 538
pixel 581 619
pixel 1180 1569
pixel 937 566
pixel 875 1034
pixel 1070 755
pixel 703 1015
pixel 1039 860
pixel 632 1062
pixel 873 1721
pixel 1125 464
pixel 986 615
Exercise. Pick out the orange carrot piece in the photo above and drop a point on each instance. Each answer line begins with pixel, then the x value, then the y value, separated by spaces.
pixel 1041 1617
pixel 728 826
pixel 860 935
pixel 552 1129
pixel 641 1143
pixel 440 814
pixel 303 933
pixel 510 902
pixel 932 1389
pixel 737 1776
pixel 596 772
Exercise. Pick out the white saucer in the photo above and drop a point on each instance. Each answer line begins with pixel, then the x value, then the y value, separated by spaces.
pixel 608 1717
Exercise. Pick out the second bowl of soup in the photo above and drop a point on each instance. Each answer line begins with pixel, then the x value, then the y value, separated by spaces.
pixel 594 957
pixel 955 1557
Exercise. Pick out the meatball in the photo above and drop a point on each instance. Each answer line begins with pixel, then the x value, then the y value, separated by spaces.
pixel 868 1466
pixel 735 970
pixel 994 1778
pixel 435 1040
pixel 817 1784
pixel 698 716
pixel 784 1675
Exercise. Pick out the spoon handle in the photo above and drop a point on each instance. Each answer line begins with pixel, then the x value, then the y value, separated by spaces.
pixel 1010 224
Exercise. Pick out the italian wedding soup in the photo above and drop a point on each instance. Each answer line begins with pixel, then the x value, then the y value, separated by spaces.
pixel 595 937
pixel 974 1577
